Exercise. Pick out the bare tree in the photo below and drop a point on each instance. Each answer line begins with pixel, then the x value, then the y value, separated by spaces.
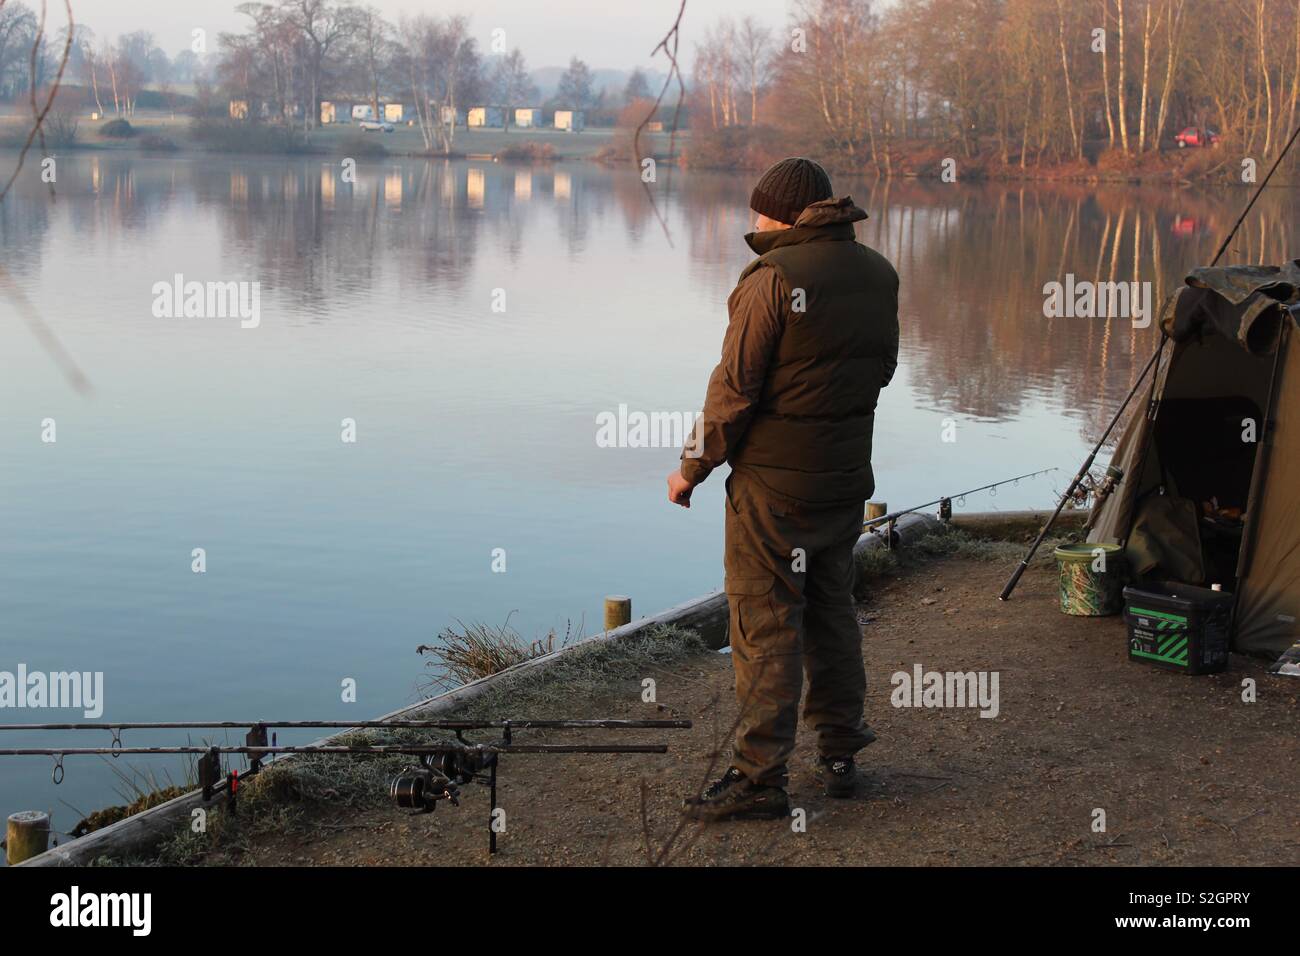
pixel 443 67
pixel 265 63
pixel 1173 43
pixel 18 37
pixel 1076 136
pixel 756 53
pixel 323 26
pixel 511 84
pixel 637 88
pixel 576 85
pixel 1121 86
pixel 1149 29
pixel 90 65
pixel 374 47
pixel 831 79
pixel 1262 29
pixel 1105 73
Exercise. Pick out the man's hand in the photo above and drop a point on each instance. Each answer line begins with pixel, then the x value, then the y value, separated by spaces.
pixel 679 489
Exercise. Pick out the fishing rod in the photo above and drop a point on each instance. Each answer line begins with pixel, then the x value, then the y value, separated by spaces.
pixel 1080 476
pixel 407 749
pixel 365 724
pixel 1151 363
pixel 945 503
pixel 444 766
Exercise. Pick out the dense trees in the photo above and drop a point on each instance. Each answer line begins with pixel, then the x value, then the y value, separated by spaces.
pixel 121 68
pixel 732 64
pixel 1025 81
pixel 1017 82
pixel 295 53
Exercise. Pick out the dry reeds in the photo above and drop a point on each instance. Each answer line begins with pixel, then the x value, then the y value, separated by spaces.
pixel 470 651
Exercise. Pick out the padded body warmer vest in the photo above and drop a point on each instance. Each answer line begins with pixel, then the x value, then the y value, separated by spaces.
pixel 810 436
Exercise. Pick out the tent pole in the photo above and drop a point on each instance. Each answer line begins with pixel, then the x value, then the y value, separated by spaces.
pixel 1153 409
pixel 1245 551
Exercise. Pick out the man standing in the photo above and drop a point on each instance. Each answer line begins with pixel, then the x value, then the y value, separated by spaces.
pixel 811 341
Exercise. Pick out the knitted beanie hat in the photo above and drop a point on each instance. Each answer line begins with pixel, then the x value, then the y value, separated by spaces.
pixel 786 189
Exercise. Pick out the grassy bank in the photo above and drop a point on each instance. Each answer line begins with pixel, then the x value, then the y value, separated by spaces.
pixel 287 796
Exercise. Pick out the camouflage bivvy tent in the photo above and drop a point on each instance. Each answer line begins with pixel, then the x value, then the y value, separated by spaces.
pixel 1211 487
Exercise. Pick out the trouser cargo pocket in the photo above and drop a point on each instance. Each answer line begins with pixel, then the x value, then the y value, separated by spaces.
pixel 788 574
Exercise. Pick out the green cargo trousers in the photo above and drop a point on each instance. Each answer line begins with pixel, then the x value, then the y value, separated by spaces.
pixel 789 582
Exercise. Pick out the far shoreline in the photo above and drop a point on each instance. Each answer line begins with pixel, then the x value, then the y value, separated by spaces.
pixel 160 135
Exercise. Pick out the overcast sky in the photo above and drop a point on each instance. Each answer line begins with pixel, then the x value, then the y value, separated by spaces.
pixel 605 33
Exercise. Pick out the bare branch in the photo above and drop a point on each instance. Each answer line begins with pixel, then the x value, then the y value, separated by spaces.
pixel 38 117
pixel 40 328
pixel 44 334
pixel 669 47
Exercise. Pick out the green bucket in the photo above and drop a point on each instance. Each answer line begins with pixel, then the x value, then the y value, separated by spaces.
pixel 1092 579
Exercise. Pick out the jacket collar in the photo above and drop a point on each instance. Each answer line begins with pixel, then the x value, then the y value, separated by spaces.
pixel 764 242
pixel 827 220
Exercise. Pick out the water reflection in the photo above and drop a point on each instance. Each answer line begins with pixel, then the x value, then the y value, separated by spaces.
pixel 973 259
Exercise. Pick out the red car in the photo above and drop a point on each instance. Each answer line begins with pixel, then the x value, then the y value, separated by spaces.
pixel 1195 136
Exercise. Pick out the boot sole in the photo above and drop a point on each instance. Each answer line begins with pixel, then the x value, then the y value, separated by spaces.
pixel 762 811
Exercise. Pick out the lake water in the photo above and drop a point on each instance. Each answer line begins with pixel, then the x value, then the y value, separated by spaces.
pixel 380 302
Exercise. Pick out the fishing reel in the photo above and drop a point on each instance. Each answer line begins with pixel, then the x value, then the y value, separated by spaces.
pixel 1114 476
pixel 439 777
pixel 420 789
pixel 1092 491
pixel 1097 492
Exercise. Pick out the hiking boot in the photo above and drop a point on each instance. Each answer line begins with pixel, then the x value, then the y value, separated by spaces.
pixel 838 776
pixel 733 797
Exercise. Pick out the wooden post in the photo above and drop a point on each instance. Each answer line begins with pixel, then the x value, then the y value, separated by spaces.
pixel 618 611
pixel 28 835
pixel 876 509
